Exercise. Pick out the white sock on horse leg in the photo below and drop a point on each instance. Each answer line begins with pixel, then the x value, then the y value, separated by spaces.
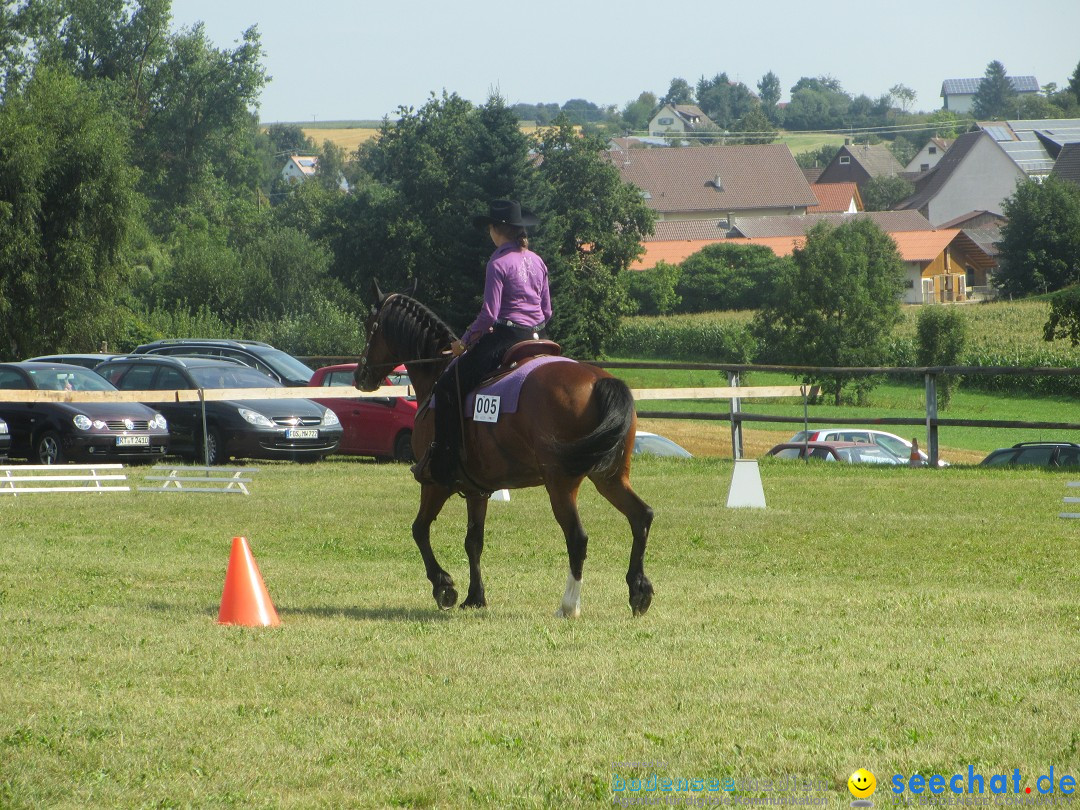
pixel 571 601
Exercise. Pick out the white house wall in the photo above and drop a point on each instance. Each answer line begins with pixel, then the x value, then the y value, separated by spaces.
pixel 980 183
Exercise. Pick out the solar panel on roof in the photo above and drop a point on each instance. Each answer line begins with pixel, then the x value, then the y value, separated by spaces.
pixel 999 133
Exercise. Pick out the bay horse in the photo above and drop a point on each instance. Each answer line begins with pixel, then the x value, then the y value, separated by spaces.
pixel 574 421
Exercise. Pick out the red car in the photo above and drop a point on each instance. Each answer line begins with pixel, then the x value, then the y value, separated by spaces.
pixel 381 426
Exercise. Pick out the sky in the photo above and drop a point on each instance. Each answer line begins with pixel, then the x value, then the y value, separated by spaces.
pixel 361 60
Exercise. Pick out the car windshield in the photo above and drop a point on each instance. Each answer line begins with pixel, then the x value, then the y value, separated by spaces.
pixel 231 377
pixel 68 379
pixel 292 368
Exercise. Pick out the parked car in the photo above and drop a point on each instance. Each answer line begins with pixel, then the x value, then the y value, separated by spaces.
pixel 373 426
pixel 296 429
pixel 851 452
pixel 655 445
pixel 55 432
pixel 85 360
pixel 1039 454
pixel 890 441
pixel 272 362
pixel 5 439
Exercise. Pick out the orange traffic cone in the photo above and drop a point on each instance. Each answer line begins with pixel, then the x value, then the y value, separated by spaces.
pixel 914 460
pixel 245 599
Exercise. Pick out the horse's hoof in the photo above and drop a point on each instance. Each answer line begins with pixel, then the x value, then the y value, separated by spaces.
pixel 639 603
pixel 564 613
pixel 641 594
pixel 473 603
pixel 445 596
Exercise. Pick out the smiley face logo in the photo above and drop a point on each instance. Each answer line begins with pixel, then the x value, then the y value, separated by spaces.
pixel 862 784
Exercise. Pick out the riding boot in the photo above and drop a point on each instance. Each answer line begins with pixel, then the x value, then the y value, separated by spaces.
pixel 421 470
pixel 443 465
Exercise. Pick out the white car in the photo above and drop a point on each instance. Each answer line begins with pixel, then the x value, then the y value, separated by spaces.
pixel 890 441
pixel 655 445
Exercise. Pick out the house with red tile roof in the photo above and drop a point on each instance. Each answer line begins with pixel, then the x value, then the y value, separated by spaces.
pixel 941 266
pixel 836 198
pixel 717 182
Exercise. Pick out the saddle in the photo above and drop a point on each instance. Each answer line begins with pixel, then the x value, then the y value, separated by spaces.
pixel 520 353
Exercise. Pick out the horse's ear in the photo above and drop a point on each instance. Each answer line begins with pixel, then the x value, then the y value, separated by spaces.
pixel 377 291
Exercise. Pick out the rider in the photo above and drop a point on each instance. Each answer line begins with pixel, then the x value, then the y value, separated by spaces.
pixel 517 305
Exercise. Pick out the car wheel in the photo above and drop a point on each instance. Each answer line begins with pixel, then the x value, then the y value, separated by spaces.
pixel 403 447
pixel 49 448
pixel 214 452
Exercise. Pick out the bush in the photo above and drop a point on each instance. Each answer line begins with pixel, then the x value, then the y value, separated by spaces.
pixel 942 337
pixel 653 290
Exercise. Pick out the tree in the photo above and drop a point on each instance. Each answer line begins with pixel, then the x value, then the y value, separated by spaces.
pixel 637 114
pixel 817 158
pixel 68 207
pixel 903 95
pixel 1039 250
pixel 941 337
pixel 727 277
pixel 653 290
pixel 592 228
pixel 835 303
pixel 769 90
pixel 757 126
pixel 1074 83
pixel 995 97
pixel 883 192
pixel 679 92
pixel 198 123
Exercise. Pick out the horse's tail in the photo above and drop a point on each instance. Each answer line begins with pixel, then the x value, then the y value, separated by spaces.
pixel 602 449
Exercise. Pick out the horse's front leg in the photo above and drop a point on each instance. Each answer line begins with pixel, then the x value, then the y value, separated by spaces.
pixel 432 500
pixel 474 547
pixel 563 497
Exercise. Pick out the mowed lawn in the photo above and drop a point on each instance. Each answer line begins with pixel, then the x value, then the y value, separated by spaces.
pixel 899 620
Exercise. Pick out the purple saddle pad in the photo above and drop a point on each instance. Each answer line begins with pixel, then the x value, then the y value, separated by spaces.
pixel 508 388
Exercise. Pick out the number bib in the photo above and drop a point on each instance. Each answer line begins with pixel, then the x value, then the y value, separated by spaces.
pixel 486 408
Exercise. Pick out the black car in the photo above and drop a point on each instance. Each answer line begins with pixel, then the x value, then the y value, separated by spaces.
pixel 84 360
pixel 55 432
pixel 272 362
pixel 296 429
pixel 1039 454
pixel 5 439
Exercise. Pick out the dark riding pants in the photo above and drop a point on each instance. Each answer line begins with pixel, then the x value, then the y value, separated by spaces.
pixel 464 375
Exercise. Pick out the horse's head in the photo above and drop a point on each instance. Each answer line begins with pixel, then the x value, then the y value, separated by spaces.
pixel 377 361
pixel 401 330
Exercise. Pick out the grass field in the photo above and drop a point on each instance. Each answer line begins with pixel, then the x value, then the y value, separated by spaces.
pixel 901 620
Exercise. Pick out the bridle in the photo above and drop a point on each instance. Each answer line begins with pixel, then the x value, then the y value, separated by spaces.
pixel 361 365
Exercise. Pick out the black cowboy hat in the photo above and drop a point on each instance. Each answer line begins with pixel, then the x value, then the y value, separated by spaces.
pixel 506 212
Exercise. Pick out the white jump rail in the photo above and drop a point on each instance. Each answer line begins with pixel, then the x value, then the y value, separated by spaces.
pixel 207 480
pixel 1071 500
pixel 26 479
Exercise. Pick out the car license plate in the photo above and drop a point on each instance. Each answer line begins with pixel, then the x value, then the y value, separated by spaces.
pixel 301 433
pixel 132 441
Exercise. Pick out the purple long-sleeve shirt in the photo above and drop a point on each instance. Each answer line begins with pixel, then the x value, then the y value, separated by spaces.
pixel 515 289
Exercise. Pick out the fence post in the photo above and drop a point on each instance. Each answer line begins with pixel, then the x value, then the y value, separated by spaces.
pixel 736 423
pixel 931 419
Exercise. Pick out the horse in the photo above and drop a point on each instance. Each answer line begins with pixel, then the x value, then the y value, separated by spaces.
pixel 574 421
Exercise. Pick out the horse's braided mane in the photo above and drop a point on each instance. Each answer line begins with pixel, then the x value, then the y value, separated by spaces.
pixel 414 328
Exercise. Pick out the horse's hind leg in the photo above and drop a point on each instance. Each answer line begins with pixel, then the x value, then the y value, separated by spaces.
pixel 474 547
pixel 432 499
pixel 563 496
pixel 618 491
